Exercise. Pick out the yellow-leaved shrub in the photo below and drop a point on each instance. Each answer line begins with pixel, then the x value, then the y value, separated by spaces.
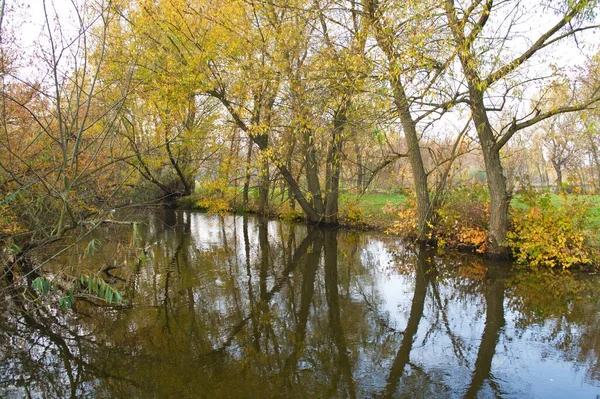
pixel 406 222
pixel 216 197
pixel 544 234
pixel 351 213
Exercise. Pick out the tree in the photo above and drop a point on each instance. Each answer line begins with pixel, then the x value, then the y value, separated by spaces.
pixel 561 145
pixel 591 117
pixel 285 79
pixel 416 67
pixel 60 161
pixel 488 77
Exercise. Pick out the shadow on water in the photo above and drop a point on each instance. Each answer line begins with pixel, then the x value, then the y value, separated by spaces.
pixel 245 307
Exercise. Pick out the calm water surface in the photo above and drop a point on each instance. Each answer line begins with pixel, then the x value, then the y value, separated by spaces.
pixel 238 307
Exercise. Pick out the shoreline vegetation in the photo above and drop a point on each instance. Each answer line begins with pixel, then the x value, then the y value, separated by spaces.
pixel 548 230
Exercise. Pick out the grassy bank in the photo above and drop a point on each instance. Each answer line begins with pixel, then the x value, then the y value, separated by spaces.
pixel 379 210
pixel 374 210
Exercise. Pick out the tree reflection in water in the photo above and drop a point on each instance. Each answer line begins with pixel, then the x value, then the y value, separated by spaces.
pixel 241 307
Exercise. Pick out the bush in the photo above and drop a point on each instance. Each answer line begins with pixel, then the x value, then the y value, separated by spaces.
pixel 545 234
pixel 406 224
pixel 216 197
pixel 286 213
pixel 460 222
pixel 462 219
pixel 351 213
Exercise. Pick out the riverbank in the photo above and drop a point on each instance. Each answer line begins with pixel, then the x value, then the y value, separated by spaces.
pixel 369 211
pixel 379 211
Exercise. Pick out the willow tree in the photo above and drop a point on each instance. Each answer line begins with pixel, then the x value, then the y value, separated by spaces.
pixel 416 65
pixel 485 41
pixel 282 74
pixel 168 130
pixel 169 140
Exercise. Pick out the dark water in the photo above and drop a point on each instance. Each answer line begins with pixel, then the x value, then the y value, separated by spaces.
pixel 237 307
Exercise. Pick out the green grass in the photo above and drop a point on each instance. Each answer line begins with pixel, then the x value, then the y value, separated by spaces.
pixel 370 207
pixel 372 204
pixel 558 200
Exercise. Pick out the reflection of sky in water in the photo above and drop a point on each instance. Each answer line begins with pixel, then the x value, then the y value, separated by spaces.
pixel 446 348
pixel 523 365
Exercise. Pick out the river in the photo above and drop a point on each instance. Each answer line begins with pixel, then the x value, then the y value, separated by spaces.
pixel 242 307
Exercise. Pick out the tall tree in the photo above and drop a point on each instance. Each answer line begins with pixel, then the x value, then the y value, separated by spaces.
pixel 416 64
pixel 488 62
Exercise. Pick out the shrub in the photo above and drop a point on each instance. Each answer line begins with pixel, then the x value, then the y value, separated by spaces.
pixel 285 212
pixel 545 234
pixel 406 224
pixel 460 222
pixel 216 197
pixel 463 218
pixel 351 213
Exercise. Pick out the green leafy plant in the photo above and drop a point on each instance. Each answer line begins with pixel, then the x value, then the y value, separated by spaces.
pixel 91 285
pixel 92 247
pixel 41 285
pixel 98 287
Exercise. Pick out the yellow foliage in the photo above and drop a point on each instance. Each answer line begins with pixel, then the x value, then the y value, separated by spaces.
pixel 462 219
pixel 352 213
pixel 8 222
pixel 216 197
pixel 406 225
pixel 551 236
pixel 475 237
pixel 390 208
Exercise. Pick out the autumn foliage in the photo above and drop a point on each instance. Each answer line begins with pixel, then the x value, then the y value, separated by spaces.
pixel 545 234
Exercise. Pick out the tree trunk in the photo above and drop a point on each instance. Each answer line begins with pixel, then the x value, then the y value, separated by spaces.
pixel 245 197
pixel 424 211
pixel 386 42
pixel 262 142
pixel 499 197
pixel 559 180
pixel 263 188
pixel 596 158
pixel 312 174
pixel 499 206
pixel 333 168
pixel 544 171
pixel 308 209
pixel 360 172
